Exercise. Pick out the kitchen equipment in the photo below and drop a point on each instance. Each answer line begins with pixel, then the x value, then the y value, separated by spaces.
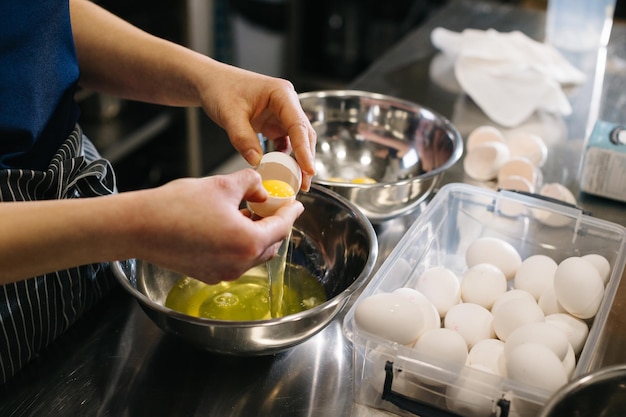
pixel 395 377
pixel 332 239
pixel 598 393
pixel 404 147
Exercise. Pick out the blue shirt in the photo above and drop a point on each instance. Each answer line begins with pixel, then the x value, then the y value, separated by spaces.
pixel 38 75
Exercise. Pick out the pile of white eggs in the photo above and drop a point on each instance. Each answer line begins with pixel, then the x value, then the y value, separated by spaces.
pixel 513 162
pixel 523 319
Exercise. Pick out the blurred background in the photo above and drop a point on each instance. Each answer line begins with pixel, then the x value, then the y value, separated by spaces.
pixel 317 45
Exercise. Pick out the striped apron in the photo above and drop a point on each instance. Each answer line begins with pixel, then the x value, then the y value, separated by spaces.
pixel 35 311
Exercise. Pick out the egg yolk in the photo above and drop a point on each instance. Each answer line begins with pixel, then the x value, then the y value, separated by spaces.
pixel 278 188
pixel 364 180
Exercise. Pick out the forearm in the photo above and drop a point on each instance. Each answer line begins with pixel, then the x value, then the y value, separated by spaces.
pixel 45 236
pixel 118 58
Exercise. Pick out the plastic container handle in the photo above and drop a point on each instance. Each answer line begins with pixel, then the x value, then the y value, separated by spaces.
pixel 422 409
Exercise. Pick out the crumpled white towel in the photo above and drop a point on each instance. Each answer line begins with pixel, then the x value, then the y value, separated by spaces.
pixel 508 75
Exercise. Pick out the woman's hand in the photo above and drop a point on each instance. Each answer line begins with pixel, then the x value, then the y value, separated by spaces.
pixel 245 103
pixel 195 226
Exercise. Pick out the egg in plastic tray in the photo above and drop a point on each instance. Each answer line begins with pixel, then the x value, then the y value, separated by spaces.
pixel 459 214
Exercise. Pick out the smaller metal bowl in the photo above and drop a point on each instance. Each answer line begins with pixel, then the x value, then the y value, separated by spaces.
pixel 332 239
pixel 599 393
pixel 404 147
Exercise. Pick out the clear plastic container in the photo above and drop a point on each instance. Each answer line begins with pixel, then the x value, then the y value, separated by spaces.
pixel 458 215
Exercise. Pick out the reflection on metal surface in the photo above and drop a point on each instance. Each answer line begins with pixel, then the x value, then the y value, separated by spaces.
pixel 404 147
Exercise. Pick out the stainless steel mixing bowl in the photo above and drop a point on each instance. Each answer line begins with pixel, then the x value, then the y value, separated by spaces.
pixel 332 239
pixel 404 147
pixel 599 393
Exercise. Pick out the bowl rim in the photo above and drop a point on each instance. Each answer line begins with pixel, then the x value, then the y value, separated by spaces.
pixel 450 127
pixel 341 297
pixel 576 385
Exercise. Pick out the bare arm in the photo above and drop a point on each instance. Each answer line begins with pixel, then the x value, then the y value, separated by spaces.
pixel 180 226
pixel 120 59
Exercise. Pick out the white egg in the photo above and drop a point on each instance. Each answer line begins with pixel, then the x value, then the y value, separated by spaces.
pixel 569 362
pixel 536 365
pixel 487 353
pixel 540 332
pixel 472 321
pixel 530 146
pixel 509 295
pixel 482 284
pixel 515 313
pixel 390 316
pixel 473 393
pixel 441 286
pixel 483 134
pixel 548 302
pixel 574 328
pixel 483 162
pixel 494 251
pixel 578 287
pixel 535 274
pixel 443 346
pixel 429 312
pixel 602 265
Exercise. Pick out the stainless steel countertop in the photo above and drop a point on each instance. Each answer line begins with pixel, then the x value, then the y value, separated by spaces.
pixel 116 362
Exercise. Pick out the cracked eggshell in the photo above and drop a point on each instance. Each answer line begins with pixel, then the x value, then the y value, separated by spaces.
pixel 483 162
pixel 483 134
pixel 529 146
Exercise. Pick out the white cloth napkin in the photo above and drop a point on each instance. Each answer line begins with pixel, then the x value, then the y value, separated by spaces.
pixel 508 75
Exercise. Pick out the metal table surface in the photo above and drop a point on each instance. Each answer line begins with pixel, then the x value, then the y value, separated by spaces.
pixel 116 362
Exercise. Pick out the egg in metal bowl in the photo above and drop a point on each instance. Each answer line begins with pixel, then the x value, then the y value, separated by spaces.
pixel 383 154
pixel 332 240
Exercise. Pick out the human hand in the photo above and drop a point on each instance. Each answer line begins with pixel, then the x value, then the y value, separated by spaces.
pixel 195 226
pixel 245 103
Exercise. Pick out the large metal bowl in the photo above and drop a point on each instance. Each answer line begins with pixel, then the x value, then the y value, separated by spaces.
pixel 404 147
pixel 332 239
pixel 598 393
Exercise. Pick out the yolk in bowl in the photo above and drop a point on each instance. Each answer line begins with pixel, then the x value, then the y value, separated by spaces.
pixel 278 188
